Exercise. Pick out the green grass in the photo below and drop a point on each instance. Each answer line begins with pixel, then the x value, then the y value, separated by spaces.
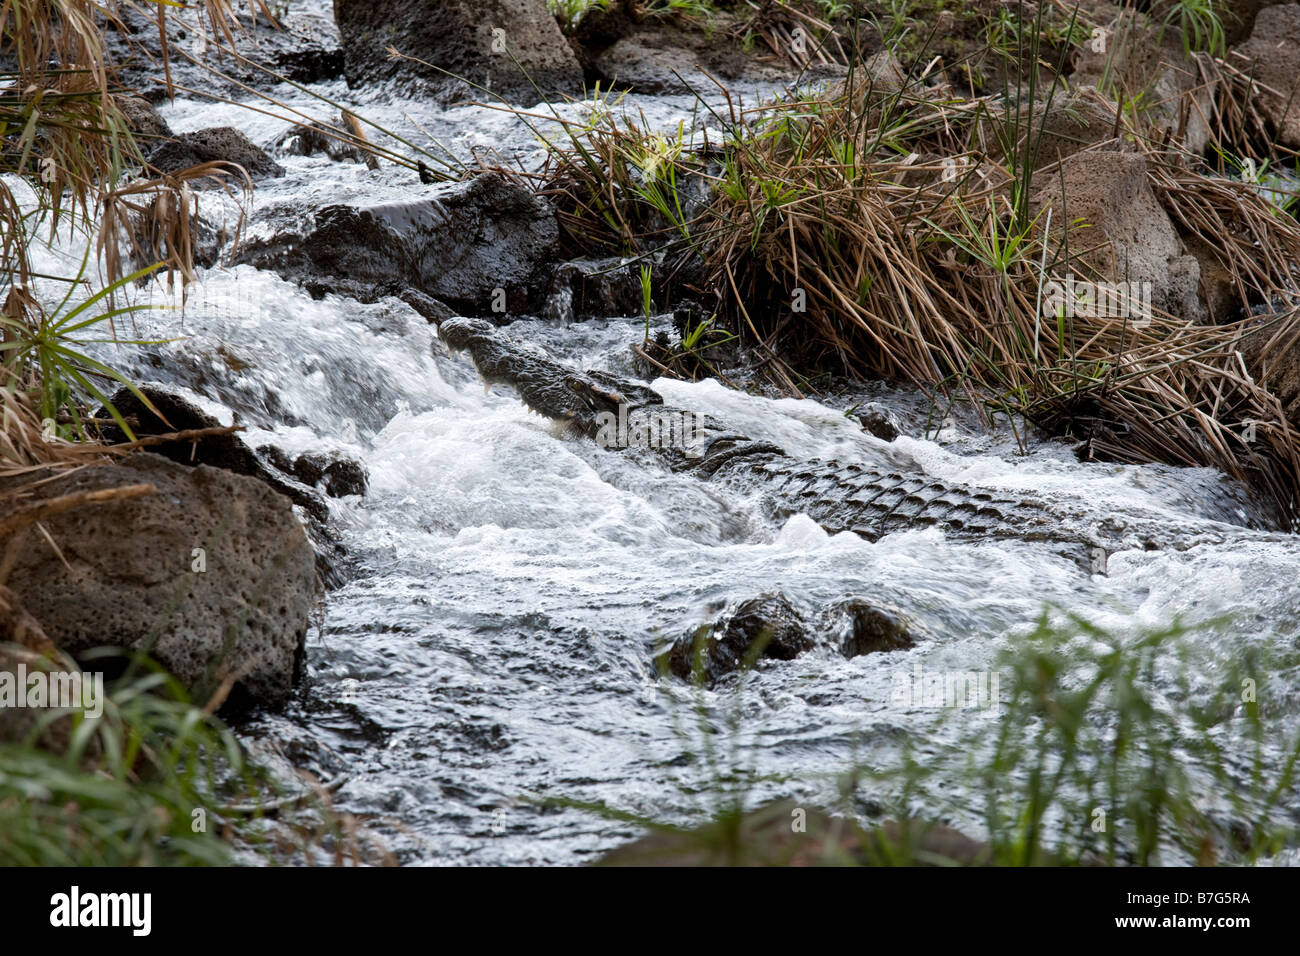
pixel 1198 23
pixel 144 784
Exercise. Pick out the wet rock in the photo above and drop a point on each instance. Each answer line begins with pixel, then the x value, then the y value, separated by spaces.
pixel 144 121
pixel 879 421
pixel 336 475
pixel 586 288
pixel 230 453
pixel 771 627
pixel 1107 200
pixel 768 626
pixel 857 626
pixel 223 144
pixel 1272 57
pixel 305 50
pixel 765 837
pixel 481 246
pixel 506 46
pixel 431 309
pixel 127 574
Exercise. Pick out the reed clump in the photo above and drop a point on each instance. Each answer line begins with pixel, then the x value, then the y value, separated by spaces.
pixel 894 225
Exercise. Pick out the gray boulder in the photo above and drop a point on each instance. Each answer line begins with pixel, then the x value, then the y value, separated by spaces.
pixel 506 46
pixel 1111 210
pixel 1272 57
pixel 211 574
pixel 223 144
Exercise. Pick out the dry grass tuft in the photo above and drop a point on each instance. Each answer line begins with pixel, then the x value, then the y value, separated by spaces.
pixel 908 236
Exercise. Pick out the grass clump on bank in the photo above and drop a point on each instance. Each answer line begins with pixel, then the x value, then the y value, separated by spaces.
pixel 892 226
pixel 140 785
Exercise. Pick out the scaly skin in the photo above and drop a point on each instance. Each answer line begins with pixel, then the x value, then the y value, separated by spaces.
pixel 870 501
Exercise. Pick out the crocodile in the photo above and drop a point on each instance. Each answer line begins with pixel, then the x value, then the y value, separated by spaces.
pixel 868 500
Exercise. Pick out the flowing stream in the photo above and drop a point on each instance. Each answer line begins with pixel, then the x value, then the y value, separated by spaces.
pixel 495 643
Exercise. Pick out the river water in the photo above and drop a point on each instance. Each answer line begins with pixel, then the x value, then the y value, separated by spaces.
pixel 494 647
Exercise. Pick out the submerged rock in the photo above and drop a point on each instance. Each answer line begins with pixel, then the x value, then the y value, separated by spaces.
pixel 512 48
pixel 772 627
pixel 481 246
pixel 223 144
pixel 309 139
pixel 211 574
pixel 337 476
pixel 878 420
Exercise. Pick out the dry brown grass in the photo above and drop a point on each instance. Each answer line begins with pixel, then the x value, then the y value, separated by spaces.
pixel 64 135
pixel 908 274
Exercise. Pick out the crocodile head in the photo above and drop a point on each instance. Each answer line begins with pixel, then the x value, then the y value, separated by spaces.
pixel 548 387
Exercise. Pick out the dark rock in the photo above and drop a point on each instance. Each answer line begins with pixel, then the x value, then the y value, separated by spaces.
pixel 658 55
pixel 223 144
pixel 861 627
pixel 586 288
pixel 305 50
pixel 127 574
pixel 459 242
pixel 599 28
pixel 877 420
pixel 768 626
pixel 506 46
pixel 144 121
pixel 772 627
pixel 338 476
